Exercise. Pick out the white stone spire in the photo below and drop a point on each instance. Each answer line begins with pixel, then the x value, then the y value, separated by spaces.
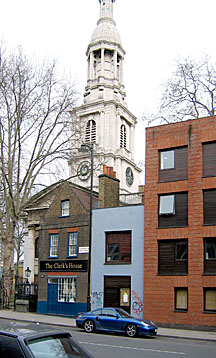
pixel 104 115
pixel 106 8
pixel 105 59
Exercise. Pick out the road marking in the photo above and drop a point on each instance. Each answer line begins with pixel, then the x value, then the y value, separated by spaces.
pixel 133 348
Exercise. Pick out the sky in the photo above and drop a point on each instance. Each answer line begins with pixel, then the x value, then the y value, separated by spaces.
pixel 153 33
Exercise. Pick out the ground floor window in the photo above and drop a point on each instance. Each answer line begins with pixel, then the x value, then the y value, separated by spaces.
pixel 181 299
pixel 67 289
pixel 210 299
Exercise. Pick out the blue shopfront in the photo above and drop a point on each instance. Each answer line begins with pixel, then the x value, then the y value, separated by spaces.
pixel 64 282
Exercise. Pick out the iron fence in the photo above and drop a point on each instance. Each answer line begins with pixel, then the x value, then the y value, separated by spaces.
pixel 4 297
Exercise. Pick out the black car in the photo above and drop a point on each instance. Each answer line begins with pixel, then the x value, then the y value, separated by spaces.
pixel 24 340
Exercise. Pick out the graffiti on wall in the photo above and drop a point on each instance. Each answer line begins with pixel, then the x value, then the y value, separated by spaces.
pixel 97 298
pixel 137 305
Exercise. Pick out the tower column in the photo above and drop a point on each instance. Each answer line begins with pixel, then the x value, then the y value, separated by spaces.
pixel 102 61
pixel 91 66
pixel 115 64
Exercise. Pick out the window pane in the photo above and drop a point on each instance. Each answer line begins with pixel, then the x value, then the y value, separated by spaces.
pixel 62 347
pixel 167 204
pixel 210 299
pixel 167 160
pixel 181 299
pixel 65 208
pixel 181 250
pixel 67 289
pixel 211 249
pixel 73 240
pixel 113 252
pixel 54 245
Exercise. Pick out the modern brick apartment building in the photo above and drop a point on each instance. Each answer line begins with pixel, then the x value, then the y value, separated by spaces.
pixel 180 223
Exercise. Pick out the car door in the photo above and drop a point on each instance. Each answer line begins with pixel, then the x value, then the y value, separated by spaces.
pixel 110 320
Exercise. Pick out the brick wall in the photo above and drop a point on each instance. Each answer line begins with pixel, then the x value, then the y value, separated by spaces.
pixel 159 290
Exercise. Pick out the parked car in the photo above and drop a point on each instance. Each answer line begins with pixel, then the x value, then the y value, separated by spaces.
pixel 23 340
pixel 115 320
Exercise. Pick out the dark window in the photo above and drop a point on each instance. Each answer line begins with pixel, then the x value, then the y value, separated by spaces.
pixel 113 252
pixel 209 204
pixel 118 247
pixel 173 164
pixel 209 159
pixel 172 257
pixel 37 247
pixel 173 210
pixel 181 250
pixel 210 255
pixel 10 348
pixel 123 136
pixel 181 299
pixel 210 299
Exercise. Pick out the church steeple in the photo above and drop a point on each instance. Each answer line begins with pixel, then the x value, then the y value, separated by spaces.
pixel 106 8
pixel 105 59
pixel 104 117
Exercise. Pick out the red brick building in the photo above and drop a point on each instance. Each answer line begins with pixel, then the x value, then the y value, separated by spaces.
pixel 180 223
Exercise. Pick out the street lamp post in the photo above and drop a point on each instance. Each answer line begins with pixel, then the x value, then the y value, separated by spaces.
pixel 85 148
pixel 27 274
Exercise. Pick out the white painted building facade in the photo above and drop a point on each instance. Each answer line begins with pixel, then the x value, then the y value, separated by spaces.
pixel 121 276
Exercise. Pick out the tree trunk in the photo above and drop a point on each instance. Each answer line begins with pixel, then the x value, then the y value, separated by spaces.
pixel 8 249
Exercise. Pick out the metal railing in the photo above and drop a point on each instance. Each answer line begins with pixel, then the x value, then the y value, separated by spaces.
pixel 4 297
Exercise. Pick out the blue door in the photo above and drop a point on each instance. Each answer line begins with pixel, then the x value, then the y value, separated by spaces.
pixel 52 299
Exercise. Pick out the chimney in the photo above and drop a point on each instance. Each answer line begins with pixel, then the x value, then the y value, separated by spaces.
pixel 108 188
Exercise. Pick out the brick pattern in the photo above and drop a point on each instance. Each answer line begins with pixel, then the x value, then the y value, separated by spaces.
pixel 159 290
pixel 54 223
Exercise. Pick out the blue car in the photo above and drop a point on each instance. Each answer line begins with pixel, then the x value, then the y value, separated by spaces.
pixel 115 320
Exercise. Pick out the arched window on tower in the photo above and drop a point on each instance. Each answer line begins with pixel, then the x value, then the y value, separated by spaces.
pixel 90 135
pixel 123 136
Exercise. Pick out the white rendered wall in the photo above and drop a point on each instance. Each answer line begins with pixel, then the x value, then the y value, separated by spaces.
pixel 118 219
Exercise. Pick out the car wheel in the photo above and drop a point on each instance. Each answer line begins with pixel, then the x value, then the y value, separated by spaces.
pixel 131 330
pixel 89 326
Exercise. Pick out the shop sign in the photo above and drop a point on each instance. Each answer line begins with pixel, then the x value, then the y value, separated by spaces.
pixel 64 265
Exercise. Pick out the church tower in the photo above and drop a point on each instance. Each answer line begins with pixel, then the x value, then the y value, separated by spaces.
pixel 104 118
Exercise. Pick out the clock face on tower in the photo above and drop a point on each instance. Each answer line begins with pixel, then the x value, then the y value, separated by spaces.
pixel 84 170
pixel 129 176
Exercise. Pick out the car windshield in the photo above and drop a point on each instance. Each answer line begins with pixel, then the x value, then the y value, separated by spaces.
pixel 51 347
pixel 122 313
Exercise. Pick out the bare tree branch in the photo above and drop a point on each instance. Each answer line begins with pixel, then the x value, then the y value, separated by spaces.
pixel 36 130
pixel 189 93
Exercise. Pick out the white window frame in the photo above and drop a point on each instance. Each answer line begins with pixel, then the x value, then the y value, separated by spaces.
pixel 67 289
pixel 170 163
pixel 167 204
pixel 72 244
pixel 65 208
pixel 53 245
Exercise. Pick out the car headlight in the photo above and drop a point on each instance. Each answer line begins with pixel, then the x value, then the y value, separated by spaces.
pixel 146 325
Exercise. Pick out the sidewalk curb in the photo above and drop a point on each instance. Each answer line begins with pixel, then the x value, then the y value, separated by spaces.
pixel 185 337
pixel 40 322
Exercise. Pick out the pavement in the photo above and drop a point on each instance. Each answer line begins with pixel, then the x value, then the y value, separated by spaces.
pixel 71 322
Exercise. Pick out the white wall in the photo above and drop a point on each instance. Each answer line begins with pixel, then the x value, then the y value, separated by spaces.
pixel 118 219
